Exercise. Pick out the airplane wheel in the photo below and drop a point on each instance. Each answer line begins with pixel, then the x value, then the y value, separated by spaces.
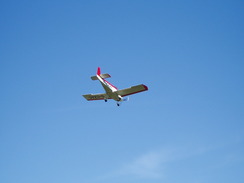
pixel 117 104
pixel 106 100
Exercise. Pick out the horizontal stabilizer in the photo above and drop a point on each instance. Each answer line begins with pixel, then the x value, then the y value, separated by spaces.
pixel 102 76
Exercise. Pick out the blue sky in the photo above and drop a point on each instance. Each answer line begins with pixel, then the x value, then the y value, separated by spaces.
pixel 189 126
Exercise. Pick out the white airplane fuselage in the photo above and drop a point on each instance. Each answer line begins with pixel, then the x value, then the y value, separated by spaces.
pixel 110 89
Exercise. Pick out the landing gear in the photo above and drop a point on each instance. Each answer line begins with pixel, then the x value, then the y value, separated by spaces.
pixel 105 100
pixel 118 104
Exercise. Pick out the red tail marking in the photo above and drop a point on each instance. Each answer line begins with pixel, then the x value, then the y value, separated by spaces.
pixel 98 71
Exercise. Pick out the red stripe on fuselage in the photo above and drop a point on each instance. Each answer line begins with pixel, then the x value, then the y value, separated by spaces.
pixel 110 84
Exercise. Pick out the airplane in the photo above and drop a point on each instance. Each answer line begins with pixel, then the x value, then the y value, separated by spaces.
pixel 111 91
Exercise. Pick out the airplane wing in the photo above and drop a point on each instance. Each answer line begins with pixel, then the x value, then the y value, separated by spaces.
pixel 132 90
pixel 101 96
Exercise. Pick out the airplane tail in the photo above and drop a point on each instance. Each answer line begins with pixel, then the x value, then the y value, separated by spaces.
pixel 99 74
pixel 98 71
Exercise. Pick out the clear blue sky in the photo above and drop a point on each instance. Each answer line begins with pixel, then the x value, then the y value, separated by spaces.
pixel 189 126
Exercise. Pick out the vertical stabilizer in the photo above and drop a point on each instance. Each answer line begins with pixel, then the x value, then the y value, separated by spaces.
pixel 98 71
pixel 99 74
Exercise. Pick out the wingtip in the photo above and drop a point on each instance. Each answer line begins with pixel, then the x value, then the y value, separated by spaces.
pixel 146 88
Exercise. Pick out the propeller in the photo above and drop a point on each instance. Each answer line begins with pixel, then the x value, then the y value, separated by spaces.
pixel 125 99
pixel 122 99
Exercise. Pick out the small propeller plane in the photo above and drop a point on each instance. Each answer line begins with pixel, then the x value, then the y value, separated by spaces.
pixel 111 91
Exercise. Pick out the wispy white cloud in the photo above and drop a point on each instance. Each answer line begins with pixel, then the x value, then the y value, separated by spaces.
pixel 149 165
pixel 154 164
pixel 157 164
pixel 146 166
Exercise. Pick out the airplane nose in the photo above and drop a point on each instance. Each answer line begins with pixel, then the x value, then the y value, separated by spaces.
pixel 120 98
